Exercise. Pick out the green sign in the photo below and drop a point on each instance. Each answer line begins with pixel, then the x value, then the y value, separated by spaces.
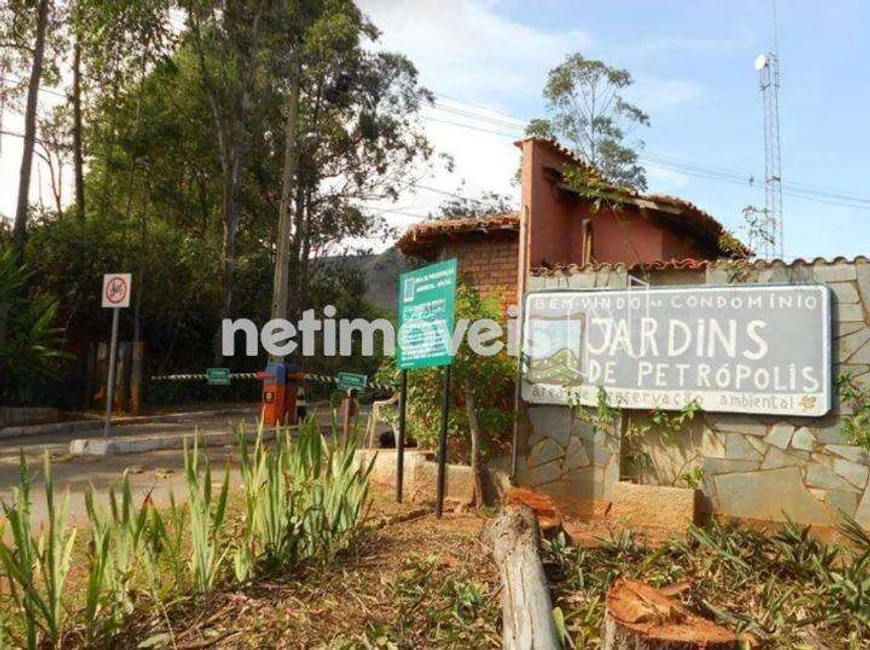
pixel 427 302
pixel 350 381
pixel 217 376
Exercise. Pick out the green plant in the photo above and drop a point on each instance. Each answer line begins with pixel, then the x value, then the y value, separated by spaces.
pixel 331 487
pixel 31 343
pixel 692 478
pixel 270 525
pixel 31 560
pixel 857 425
pixel 167 541
pixel 98 563
pixel 125 528
pixel 206 518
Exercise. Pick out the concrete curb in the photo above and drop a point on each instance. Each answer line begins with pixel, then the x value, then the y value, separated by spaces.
pixel 78 425
pixel 121 446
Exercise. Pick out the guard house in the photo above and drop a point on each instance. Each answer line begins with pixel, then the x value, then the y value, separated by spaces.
pixel 559 226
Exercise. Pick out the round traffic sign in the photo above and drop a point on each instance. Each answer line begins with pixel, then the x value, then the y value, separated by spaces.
pixel 116 290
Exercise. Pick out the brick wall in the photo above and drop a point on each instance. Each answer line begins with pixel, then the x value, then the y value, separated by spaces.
pixel 488 264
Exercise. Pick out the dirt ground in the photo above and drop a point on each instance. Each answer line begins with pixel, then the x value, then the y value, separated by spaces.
pixel 406 567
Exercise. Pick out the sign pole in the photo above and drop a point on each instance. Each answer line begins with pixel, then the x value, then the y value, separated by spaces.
pixel 345 425
pixel 442 443
pixel 110 387
pixel 400 442
pixel 116 296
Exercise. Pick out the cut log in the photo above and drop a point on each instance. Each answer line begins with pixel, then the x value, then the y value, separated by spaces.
pixel 527 612
pixel 640 617
pixel 549 517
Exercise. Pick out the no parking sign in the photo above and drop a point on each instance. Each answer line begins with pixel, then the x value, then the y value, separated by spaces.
pixel 116 290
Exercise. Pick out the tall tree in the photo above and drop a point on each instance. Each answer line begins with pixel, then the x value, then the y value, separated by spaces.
pixel 77 130
pixel 40 23
pixel 588 112
pixel 228 40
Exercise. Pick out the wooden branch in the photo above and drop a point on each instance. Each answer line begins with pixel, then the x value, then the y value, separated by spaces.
pixel 527 612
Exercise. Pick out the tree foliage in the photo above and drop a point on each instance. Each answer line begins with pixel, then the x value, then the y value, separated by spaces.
pixel 587 111
pixel 183 140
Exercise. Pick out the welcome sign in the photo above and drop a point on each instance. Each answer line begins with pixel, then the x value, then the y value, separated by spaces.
pixel 740 349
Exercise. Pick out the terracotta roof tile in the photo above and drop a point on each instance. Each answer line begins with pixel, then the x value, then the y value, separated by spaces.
pixel 690 264
pixel 420 236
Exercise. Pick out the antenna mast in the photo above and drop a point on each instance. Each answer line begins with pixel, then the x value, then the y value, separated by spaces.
pixel 768 79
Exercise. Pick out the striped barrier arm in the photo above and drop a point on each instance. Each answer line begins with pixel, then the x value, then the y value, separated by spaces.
pixel 325 379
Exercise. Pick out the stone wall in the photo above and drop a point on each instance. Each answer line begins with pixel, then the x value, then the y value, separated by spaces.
pixel 763 468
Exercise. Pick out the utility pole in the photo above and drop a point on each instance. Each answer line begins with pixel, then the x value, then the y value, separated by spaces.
pixel 281 283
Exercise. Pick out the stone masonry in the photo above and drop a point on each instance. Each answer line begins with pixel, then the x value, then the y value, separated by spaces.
pixel 763 468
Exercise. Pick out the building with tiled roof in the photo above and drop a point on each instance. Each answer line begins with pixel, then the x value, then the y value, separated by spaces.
pixel 560 225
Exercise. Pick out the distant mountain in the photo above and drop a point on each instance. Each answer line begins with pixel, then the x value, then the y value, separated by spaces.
pixel 381 274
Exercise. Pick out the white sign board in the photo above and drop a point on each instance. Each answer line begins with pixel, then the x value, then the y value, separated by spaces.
pixel 116 290
pixel 737 349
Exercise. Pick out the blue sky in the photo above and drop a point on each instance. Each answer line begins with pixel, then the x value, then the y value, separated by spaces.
pixel 693 67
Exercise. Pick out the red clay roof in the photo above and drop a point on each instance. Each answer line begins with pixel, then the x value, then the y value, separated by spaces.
pixel 688 264
pixel 419 237
pixel 693 217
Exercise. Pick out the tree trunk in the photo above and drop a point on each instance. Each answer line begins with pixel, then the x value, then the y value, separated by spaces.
pixel 641 617
pixel 228 250
pixel 281 285
pixel 474 429
pixel 78 153
pixel 19 233
pixel 527 613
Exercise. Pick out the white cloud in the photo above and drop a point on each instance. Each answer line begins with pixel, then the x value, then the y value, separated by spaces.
pixel 466 48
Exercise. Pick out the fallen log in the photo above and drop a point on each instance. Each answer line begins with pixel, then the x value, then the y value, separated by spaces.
pixel 527 612
pixel 640 617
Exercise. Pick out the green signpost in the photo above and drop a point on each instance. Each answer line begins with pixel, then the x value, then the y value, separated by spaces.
pixel 427 299
pixel 427 306
pixel 217 376
pixel 350 381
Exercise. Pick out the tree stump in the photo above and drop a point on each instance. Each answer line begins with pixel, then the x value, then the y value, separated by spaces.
pixel 527 612
pixel 640 617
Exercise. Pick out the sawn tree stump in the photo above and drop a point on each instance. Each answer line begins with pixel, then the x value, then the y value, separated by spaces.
pixel 527 612
pixel 640 617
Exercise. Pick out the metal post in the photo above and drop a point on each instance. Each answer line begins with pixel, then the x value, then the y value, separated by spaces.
pixel 400 442
pixel 110 388
pixel 345 425
pixel 442 443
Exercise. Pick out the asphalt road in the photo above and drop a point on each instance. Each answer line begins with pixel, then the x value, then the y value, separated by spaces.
pixel 156 473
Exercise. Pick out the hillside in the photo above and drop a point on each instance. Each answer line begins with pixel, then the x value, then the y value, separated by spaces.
pixel 381 275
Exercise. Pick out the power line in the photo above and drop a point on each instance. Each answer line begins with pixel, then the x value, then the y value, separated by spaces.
pixel 483 106
pixel 472 127
pixel 816 193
